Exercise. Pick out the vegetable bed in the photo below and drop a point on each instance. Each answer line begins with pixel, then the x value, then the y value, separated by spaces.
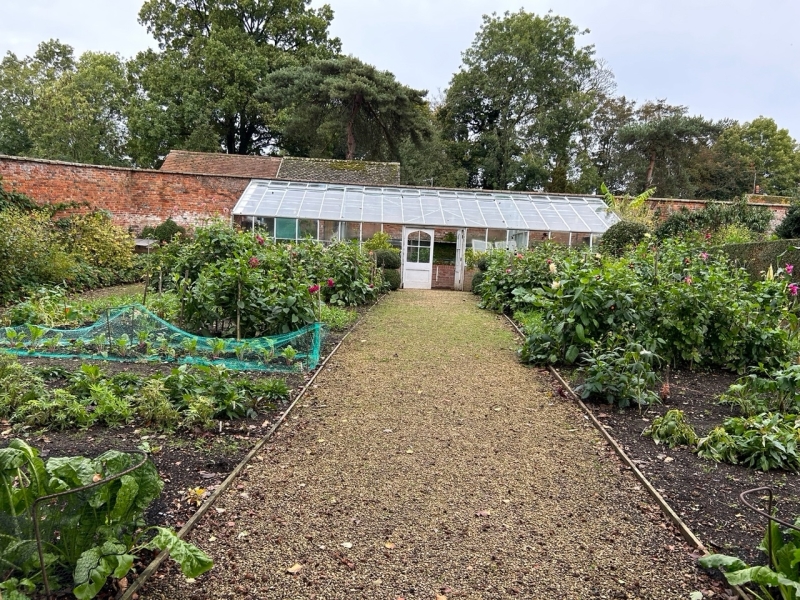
pixel 704 493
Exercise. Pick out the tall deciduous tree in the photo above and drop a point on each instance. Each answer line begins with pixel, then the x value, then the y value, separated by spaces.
pixel 52 106
pixel 198 91
pixel 524 91
pixel 351 104
pixel 769 156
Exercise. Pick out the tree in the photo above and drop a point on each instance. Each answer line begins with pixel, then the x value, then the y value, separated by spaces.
pixel 523 92
pixel 768 155
pixel 668 140
pixel 348 102
pixel 198 91
pixel 52 106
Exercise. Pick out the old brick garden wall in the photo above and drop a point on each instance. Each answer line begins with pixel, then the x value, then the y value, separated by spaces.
pixel 134 197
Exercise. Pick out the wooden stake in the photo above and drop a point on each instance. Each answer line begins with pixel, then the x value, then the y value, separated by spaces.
pixel 239 314
pixel 146 286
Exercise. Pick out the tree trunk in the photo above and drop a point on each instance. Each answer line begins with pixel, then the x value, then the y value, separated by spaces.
pixel 650 168
pixel 351 137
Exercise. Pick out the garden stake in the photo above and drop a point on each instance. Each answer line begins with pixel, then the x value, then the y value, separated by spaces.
pixel 160 275
pixel 108 328
pixel 239 313
pixel 146 286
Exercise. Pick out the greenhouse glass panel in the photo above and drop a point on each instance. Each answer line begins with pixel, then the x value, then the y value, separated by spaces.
pixel 429 207
pixel 329 231
pixel 352 232
pixel 286 229
pixel 307 228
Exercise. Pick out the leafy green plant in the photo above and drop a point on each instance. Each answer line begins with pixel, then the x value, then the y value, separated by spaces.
pixel 672 429
pixel 622 235
pixel 109 408
pixel 767 441
pixel 154 407
pixel 289 354
pixel 199 413
pixel 622 375
pixel 92 534
pixel 62 410
pixel 337 318
pixel 18 385
pixel 779 580
pixel 775 391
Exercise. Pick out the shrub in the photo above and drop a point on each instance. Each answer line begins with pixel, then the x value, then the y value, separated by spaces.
pixel 154 407
pixel 758 257
pixel 672 429
pixel 388 259
pixel 392 278
pixel 621 235
pixel 713 216
pixel 32 253
pixel 164 232
pixel 62 410
pixel 379 241
pixel 789 227
pixel 477 280
pixel 622 375
pixel 98 242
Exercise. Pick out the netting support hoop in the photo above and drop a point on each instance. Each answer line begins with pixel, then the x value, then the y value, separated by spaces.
pixel 89 486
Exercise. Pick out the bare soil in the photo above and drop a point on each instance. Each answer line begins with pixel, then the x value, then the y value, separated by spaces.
pixel 704 493
pixel 428 463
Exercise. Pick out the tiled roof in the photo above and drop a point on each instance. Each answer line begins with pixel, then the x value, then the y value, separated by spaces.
pixel 290 168
pixel 212 163
pixel 339 171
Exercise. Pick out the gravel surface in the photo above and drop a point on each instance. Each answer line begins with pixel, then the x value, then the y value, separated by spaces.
pixel 428 463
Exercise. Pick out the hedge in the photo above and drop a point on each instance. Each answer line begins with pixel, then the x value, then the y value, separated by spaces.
pixel 757 257
pixel 392 277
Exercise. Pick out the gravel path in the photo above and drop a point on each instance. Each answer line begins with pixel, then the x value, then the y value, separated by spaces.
pixel 429 463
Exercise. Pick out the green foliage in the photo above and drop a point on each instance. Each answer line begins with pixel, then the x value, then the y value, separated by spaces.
pixel 392 278
pixel 164 232
pixel 619 372
pixel 379 241
pixel 775 391
pixel 715 216
pixel 477 280
pixel 511 120
pixel 337 318
pixel 338 101
pixel 778 581
pixel 622 235
pixel 696 307
pixel 54 106
pixel 93 534
pixel 766 441
pixel 758 257
pixel 198 91
pixel 388 258
pixel 789 227
pixel 671 428
pixel 153 406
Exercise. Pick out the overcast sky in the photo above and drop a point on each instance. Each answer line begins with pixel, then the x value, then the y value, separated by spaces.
pixel 721 58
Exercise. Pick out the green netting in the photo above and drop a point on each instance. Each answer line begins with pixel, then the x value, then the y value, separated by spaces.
pixel 132 333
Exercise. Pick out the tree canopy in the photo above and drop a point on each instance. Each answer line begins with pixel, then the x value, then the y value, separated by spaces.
pixel 199 91
pixel 345 108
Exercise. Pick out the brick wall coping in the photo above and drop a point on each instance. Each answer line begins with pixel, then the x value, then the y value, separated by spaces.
pixel 63 163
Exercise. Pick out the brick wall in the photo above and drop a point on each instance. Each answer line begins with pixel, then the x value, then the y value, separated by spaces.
pixel 444 277
pixel 135 197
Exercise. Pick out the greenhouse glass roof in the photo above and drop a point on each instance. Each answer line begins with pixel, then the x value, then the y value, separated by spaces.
pixel 424 207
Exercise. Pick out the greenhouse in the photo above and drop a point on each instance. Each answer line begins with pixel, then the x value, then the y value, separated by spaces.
pixel 433 228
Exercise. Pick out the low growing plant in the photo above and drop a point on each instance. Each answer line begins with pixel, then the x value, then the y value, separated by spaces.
pixel 672 429
pixel 92 534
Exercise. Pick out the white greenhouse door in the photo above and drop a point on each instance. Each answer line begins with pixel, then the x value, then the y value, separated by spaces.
pixel 417 258
pixel 461 247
